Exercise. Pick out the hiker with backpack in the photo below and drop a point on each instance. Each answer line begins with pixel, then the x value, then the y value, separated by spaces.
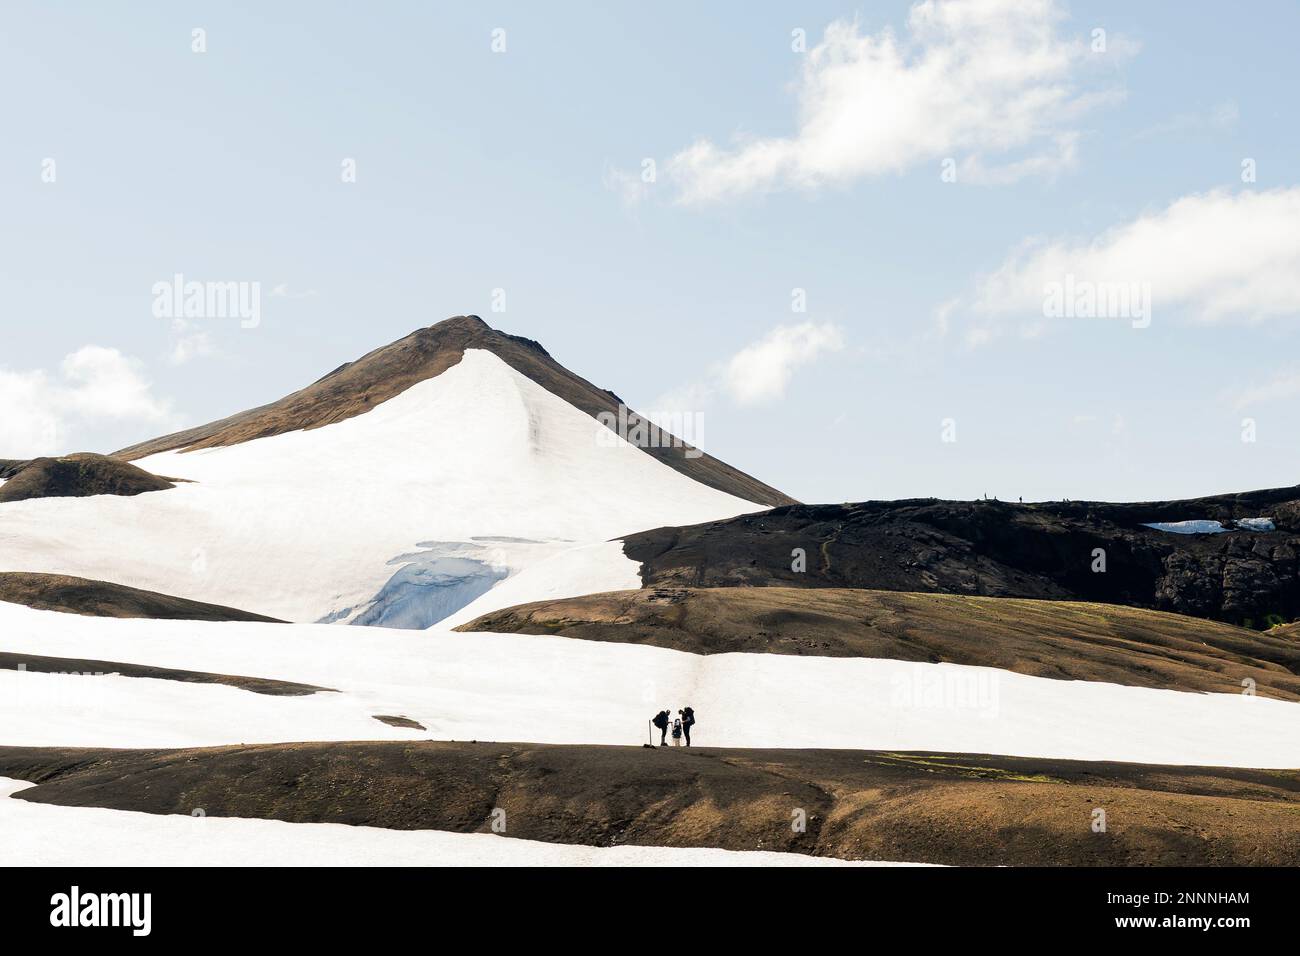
pixel 661 721
pixel 687 721
pixel 677 732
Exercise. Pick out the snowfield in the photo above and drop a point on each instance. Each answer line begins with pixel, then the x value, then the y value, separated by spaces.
pixel 587 569
pixel 112 711
pixel 506 687
pixel 306 526
pixel 38 835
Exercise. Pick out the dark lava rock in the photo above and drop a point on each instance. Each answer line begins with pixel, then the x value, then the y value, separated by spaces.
pixel 1047 550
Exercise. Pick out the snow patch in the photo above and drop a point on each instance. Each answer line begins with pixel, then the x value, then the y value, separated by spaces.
pixel 586 569
pixel 108 710
pixel 1256 524
pixel 1198 526
pixel 1206 526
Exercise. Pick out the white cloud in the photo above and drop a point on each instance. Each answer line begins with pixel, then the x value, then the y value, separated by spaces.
pixel 943 319
pixel 760 372
pixel 972 79
pixel 103 383
pixel 631 188
pixel 94 384
pixel 188 342
pixel 28 426
pixel 1282 385
pixel 1217 256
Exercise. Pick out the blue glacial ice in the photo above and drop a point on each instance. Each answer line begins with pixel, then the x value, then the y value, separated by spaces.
pixel 431 585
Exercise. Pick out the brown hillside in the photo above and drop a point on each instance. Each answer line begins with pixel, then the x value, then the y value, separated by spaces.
pixel 76 476
pixel 863 805
pixel 62 592
pixel 1056 639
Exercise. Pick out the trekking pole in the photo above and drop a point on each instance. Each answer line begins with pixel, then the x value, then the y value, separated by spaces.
pixel 650 732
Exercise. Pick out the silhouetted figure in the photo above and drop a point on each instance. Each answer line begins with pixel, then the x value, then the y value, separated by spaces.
pixel 677 733
pixel 661 721
pixel 688 721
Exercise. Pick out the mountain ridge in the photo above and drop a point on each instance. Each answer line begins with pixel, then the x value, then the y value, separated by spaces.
pixel 356 387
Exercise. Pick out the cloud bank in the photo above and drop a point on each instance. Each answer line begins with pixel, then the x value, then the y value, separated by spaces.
pixel 94 384
pixel 1218 256
pixel 992 84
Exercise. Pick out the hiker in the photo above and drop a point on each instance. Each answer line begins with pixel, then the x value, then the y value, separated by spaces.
pixel 677 732
pixel 661 721
pixel 688 720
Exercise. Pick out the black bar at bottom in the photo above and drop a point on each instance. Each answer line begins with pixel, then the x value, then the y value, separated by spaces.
pixel 332 905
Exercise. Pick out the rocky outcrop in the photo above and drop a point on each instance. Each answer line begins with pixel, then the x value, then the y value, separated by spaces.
pixel 1087 551
pixel 75 476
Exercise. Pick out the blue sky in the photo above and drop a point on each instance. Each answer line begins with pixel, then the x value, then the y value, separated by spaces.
pixel 775 170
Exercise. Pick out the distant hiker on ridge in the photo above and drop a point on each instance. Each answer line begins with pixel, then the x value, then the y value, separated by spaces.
pixel 677 732
pixel 688 720
pixel 661 721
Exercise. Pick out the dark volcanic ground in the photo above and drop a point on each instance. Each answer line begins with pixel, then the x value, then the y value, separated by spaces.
pixel 64 592
pixel 869 805
pixel 41 664
pixel 1000 549
pixel 75 476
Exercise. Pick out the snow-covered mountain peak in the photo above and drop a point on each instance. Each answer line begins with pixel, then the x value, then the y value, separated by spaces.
pixel 404 512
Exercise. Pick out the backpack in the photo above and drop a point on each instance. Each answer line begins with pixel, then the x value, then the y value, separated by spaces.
pixel 689 717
